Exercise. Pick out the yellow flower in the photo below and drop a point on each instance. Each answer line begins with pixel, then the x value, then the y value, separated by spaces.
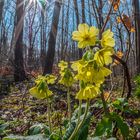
pixel 39 79
pixel 50 79
pixel 107 39
pixel 66 74
pixel 100 74
pixel 86 36
pixel 62 65
pixel 89 92
pixel 40 94
pixel 41 90
pixel 103 56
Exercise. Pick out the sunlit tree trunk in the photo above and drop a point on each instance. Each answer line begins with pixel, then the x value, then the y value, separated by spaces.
pixel 77 22
pixel 19 73
pixel 43 35
pixel 52 38
pixel 62 34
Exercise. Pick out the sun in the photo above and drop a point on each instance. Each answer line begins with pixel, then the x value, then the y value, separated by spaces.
pixel 38 2
pixel 32 2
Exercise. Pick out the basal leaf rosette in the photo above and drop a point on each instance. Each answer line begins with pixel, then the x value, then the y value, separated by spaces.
pixel 41 89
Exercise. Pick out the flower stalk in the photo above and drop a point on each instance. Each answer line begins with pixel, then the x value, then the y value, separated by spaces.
pixel 76 130
pixel 49 115
pixel 69 104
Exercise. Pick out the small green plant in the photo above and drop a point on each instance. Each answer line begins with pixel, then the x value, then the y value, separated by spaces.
pixel 137 90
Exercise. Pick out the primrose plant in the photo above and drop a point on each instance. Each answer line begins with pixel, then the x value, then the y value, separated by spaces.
pixel 41 91
pixel 90 71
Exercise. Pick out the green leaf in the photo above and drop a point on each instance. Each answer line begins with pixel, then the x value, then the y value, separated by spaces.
pixel 96 138
pixel 121 125
pixel 103 126
pixel 3 127
pixel 69 130
pixel 83 133
pixel 54 136
pixel 39 129
pixel 34 137
pixel 111 138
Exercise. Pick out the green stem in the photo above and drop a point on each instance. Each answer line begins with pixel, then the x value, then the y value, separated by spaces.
pixel 49 115
pixel 79 113
pixel 76 130
pixel 69 104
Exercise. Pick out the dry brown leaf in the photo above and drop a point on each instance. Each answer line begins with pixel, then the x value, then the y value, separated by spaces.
pixel 106 95
pixel 118 20
pixel 128 23
pixel 116 4
pixel 120 55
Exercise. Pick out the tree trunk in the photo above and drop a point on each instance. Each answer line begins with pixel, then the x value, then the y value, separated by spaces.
pixel 1 9
pixel 43 36
pixel 77 21
pixel 52 39
pixel 19 73
pixel 137 33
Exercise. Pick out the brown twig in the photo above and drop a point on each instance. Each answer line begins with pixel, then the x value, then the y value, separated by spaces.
pixel 127 75
pixel 107 18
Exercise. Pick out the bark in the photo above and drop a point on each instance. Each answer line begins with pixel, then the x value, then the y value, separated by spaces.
pixel 19 73
pixel 1 9
pixel 137 33
pixel 43 36
pixel 52 39
pixel 78 21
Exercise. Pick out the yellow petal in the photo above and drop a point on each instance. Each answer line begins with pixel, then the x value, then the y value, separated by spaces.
pixel 38 94
pixel 93 31
pixel 83 28
pixel 76 36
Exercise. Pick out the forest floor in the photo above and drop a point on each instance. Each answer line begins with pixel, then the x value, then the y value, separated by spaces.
pixel 20 111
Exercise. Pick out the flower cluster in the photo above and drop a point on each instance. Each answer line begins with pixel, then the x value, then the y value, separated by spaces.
pixel 41 89
pixel 91 69
pixel 66 74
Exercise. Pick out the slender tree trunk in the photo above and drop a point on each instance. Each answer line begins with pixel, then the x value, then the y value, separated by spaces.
pixel 62 35
pixel 19 73
pixel 1 9
pixel 77 21
pixel 43 36
pixel 100 12
pixel 1 32
pixel 137 33
pixel 83 11
pixel 52 39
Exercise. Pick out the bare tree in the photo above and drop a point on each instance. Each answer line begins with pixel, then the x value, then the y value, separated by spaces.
pixel 1 9
pixel 52 38
pixel 137 35
pixel 19 72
